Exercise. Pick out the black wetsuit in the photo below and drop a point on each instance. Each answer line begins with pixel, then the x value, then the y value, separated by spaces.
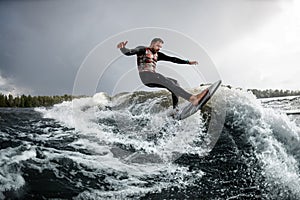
pixel 146 61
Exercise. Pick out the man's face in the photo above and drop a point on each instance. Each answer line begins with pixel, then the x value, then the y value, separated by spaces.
pixel 156 46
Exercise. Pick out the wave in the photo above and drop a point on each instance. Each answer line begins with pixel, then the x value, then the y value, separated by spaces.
pixel 274 140
pixel 131 133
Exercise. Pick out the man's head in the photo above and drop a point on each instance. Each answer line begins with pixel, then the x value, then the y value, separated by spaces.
pixel 156 44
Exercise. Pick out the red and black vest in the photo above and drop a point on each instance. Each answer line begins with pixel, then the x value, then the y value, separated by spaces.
pixel 147 61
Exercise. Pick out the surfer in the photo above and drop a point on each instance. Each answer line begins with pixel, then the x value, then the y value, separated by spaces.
pixel 147 58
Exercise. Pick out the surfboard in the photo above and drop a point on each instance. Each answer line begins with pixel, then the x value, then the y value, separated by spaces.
pixel 189 109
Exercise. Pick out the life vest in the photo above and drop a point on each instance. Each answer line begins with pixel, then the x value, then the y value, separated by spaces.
pixel 147 61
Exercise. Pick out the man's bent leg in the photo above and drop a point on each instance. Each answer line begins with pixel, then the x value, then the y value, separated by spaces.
pixel 150 78
pixel 174 96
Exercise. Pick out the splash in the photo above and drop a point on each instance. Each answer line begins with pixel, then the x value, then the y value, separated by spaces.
pixel 132 135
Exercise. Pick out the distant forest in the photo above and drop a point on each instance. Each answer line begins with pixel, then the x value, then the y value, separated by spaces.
pixel 32 101
pixel 46 101
pixel 274 93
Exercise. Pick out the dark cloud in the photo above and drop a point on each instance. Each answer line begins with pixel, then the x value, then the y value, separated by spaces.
pixel 43 43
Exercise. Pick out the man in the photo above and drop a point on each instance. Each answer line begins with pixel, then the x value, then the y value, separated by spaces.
pixel 147 58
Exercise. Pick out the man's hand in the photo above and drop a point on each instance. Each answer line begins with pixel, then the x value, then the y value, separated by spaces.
pixel 193 63
pixel 122 44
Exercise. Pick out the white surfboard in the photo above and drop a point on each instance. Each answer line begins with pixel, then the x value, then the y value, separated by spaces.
pixel 190 109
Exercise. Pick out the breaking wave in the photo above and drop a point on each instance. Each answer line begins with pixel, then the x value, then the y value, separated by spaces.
pixel 127 146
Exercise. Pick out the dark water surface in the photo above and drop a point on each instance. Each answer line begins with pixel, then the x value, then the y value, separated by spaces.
pixel 126 148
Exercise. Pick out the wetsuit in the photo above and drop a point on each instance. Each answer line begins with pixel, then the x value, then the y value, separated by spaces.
pixel 146 62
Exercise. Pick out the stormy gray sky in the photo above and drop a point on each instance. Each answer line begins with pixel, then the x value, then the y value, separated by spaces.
pixel 252 43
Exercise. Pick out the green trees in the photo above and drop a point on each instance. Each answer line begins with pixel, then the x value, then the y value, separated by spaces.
pixel 37 101
pixel 273 93
pixel 2 100
pixel 32 101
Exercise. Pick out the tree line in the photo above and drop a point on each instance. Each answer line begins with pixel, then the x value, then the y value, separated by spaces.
pixel 24 101
pixel 273 93
pixel 32 101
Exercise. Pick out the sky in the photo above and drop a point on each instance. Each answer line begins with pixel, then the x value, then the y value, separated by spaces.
pixel 46 44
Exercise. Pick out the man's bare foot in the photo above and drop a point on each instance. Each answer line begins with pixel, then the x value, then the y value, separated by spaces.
pixel 194 99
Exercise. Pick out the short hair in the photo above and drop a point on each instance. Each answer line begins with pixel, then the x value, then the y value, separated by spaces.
pixel 157 40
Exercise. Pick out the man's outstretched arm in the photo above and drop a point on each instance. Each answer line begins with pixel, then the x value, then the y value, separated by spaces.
pixel 129 52
pixel 162 56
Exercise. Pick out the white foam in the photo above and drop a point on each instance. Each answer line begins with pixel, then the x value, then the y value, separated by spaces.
pixel 101 99
pixel 134 189
pixel 274 136
pixel 84 120
pixel 103 161
pixel 98 139
pixel 10 174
